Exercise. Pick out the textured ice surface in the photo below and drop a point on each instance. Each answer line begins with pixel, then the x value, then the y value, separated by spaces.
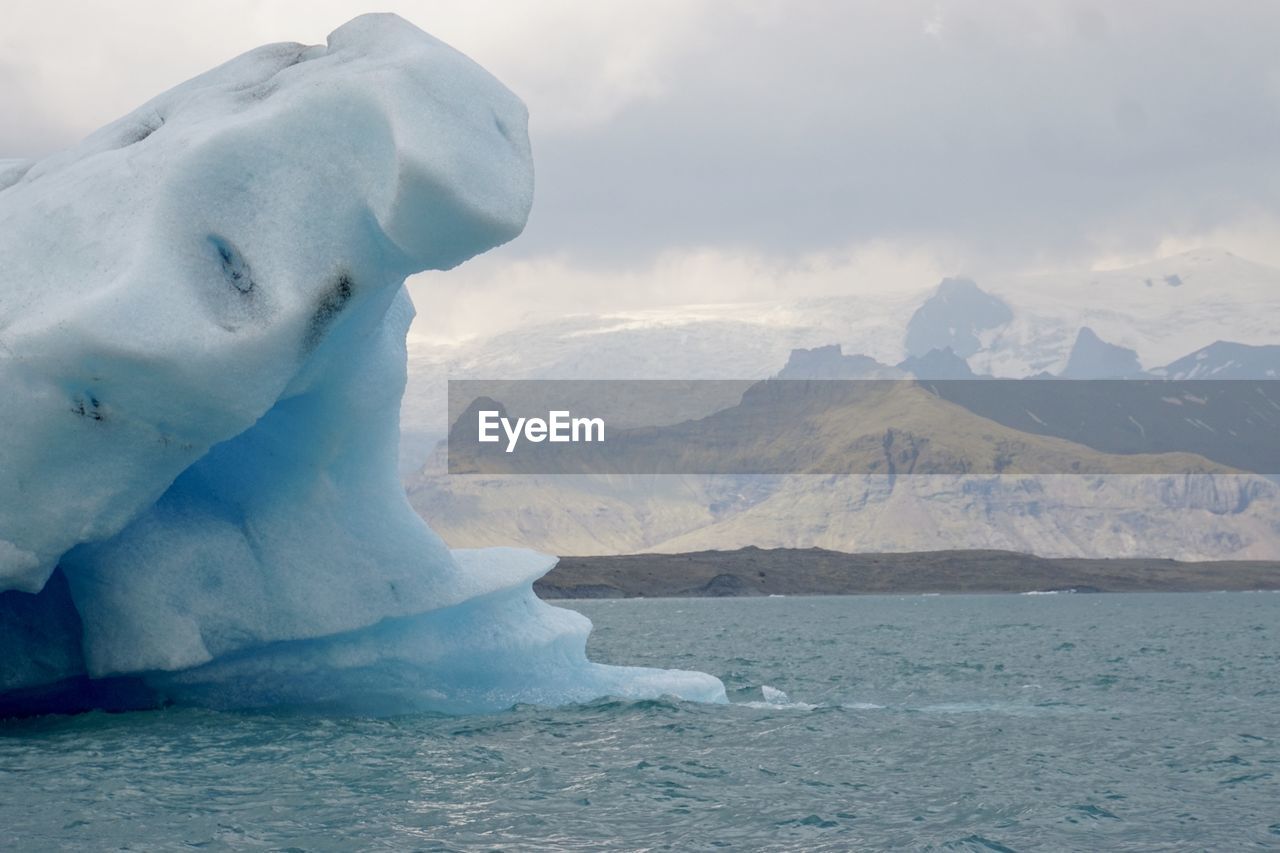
pixel 202 322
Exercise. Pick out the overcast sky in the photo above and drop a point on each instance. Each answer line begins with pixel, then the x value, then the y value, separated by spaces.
pixel 700 150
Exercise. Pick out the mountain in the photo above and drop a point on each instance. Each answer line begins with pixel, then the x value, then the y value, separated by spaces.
pixel 937 364
pixel 953 318
pixel 1225 360
pixel 1217 297
pixel 1093 358
pixel 912 472
pixel 1234 423
pixel 814 427
pixel 1161 310
pixel 1158 311
pixel 830 362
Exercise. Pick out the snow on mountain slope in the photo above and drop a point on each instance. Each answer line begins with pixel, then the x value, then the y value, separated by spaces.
pixel 1162 310
pixel 202 354
pixel 1226 360
pixel 953 318
pixel 1093 358
pixel 736 341
pixel 732 341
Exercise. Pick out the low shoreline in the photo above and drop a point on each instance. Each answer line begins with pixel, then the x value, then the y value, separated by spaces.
pixel 759 572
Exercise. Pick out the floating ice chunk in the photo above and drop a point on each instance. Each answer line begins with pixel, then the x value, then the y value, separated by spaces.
pixel 192 265
pixel 774 696
pixel 202 323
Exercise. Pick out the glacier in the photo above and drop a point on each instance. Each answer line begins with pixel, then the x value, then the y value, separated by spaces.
pixel 202 359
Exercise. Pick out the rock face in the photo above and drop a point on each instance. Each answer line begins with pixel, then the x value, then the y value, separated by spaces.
pixel 1202 517
pixel 937 364
pixel 954 317
pixel 1093 358
pixel 892 467
pixel 830 362
pixel 1218 297
pixel 202 357
pixel 1226 360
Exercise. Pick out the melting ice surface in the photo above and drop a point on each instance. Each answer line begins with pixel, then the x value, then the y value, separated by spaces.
pixel 202 323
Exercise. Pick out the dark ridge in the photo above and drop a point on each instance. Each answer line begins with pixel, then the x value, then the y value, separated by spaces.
pixel 954 317
pixel 831 362
pixel 937 364
pixel 1225 360
pixel 1093 358
pixel 550 590
pixel 815 571
pixel 329 307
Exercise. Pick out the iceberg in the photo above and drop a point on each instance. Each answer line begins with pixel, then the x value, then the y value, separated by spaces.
pixel 202 356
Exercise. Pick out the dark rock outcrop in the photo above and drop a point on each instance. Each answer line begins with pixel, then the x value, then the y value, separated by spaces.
pixel 953 317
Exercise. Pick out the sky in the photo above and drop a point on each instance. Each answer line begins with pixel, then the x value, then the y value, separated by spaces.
pixel 706 150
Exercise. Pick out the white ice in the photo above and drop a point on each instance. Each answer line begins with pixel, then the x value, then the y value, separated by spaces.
pixel 202 324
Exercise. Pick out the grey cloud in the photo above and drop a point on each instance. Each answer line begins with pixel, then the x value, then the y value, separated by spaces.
pixel 1024 130
pixel 1020 129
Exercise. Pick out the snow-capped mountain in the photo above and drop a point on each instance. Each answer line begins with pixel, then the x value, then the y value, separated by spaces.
pixel 954 318
pixel 1023 326
pixel 1172 318
pixel 735 341
pixel 1161 310
pixel 1226 360
pixel 1093 358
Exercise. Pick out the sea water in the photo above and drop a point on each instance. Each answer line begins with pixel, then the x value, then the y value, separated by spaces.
pixel 1124 722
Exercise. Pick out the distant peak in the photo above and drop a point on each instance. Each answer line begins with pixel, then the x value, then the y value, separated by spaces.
pixel 953 317
pixel 1093 358
pixel 956 285
pixel 830 362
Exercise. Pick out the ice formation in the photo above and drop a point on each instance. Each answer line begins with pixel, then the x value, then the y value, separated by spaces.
pixel 202 325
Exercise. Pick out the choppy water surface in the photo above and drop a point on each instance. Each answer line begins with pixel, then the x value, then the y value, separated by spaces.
pixel 949 723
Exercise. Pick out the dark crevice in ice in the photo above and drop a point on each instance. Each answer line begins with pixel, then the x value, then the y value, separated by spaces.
pixel 335 298
pixel 43 671
pixel 234 266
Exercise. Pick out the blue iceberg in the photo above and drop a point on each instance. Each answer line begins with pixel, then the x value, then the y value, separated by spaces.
pixel 202 326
